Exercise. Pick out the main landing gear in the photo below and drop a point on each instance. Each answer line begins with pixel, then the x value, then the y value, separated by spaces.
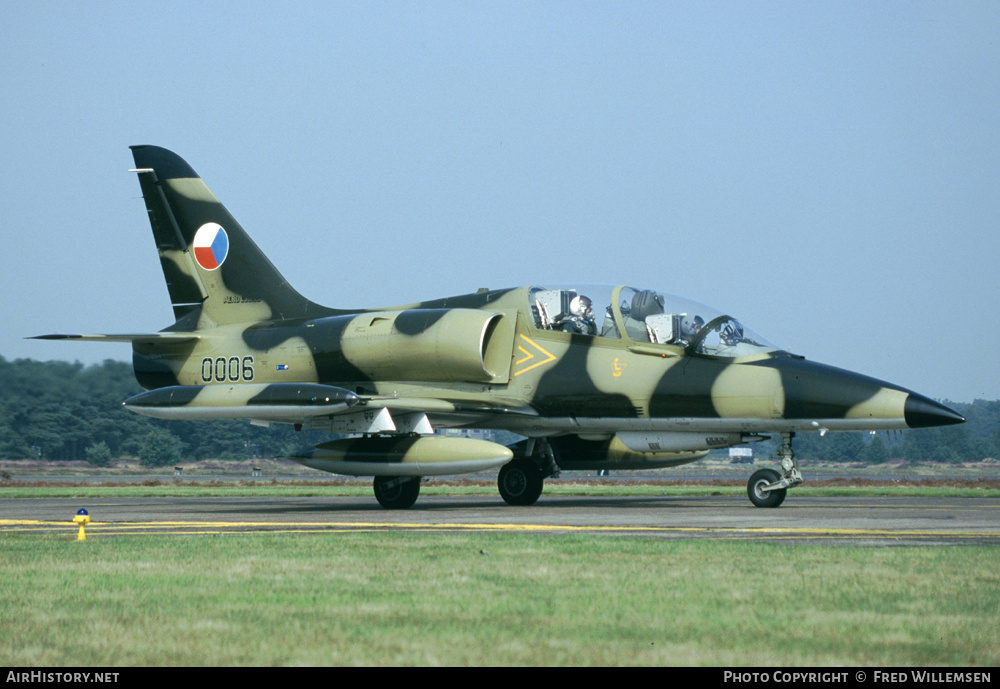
pixel 767 488
pixel 396 492
pixel 520 480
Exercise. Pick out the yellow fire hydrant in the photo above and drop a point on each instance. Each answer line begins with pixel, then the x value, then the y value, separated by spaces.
pixel 81 518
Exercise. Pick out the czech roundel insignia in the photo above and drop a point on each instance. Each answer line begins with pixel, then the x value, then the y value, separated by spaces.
pixel 211 245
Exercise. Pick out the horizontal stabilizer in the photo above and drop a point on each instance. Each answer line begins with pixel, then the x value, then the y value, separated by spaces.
pixel 125 337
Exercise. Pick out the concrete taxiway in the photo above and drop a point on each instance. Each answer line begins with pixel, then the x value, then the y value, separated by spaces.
pixel 802 519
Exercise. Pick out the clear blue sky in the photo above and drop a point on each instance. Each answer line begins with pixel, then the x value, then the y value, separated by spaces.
pixel 827 172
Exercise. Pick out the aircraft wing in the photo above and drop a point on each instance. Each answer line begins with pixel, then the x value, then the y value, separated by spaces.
pixel 314 406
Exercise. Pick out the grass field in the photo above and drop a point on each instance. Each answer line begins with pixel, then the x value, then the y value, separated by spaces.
pixel 391 598
pixel 491 599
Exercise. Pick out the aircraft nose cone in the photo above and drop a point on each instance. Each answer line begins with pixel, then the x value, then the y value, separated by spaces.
pixel 922 412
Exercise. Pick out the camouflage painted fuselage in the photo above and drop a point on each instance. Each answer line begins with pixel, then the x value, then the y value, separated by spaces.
pixel 484 365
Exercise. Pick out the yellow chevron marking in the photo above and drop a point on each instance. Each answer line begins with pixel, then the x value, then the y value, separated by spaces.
pixel 537 352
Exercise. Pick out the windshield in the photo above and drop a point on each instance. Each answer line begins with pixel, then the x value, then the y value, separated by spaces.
pixel 643 315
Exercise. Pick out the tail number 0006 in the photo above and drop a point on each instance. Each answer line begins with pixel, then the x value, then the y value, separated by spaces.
pixel 220 369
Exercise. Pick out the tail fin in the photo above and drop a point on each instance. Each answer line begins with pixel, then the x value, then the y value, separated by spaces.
pixel 215 273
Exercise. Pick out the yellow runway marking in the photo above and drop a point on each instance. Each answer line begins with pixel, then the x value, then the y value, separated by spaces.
pixel 209 527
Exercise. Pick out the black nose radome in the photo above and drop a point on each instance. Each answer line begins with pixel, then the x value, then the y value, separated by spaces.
pixel 921 412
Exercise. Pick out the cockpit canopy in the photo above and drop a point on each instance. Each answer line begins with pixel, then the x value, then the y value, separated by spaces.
pixel 643 316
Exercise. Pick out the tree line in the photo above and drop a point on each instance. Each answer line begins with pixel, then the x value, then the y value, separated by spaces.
pixel 59 411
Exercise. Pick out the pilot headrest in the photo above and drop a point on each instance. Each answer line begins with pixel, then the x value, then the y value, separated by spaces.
pixel 646 303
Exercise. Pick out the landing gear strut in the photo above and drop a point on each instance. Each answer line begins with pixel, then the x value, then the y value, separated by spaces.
pixel 396 492
pixel 520 480
pixel 767 488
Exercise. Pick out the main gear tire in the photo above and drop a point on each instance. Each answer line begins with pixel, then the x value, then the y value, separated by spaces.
pixel 520 482
pixel 396 492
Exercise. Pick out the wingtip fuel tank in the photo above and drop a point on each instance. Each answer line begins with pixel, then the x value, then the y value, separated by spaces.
pixel 432 455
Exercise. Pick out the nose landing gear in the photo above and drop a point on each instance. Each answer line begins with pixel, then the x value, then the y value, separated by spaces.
pixel 767 488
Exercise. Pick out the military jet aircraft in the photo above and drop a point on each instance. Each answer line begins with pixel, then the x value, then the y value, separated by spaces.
pixel 594 377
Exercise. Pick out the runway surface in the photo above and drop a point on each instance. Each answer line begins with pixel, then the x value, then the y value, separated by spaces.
pixel 836 520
